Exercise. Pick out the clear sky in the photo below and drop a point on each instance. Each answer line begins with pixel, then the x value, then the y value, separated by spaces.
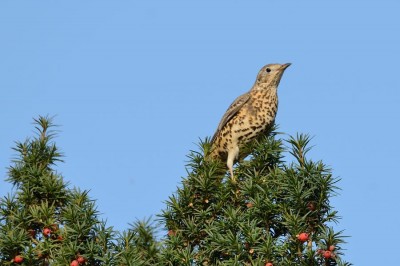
pixel 135 84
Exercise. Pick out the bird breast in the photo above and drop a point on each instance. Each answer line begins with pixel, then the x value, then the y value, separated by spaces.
pixel 257 115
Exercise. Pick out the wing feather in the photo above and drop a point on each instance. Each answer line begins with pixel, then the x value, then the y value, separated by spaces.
pixel 233 109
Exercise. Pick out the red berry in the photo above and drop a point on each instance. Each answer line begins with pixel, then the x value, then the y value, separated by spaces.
pixel 171 232
pixel 54 227
pixel 269 264
pixel 311 206
pixel 332 248
pixel 81 260
pixel 327 254
pixel 249 205
pixel 74 263
pixel 303 237
pixel 18 259
pixel 32 232
pixel 46 231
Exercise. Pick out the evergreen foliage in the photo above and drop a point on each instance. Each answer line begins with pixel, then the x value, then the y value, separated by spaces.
pixel 277 213
pixel 46 223
pixel 214 221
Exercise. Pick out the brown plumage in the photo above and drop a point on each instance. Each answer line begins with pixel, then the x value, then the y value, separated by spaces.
pixel 249 116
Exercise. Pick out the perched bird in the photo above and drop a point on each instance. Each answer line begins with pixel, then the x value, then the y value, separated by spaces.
pixel 249 116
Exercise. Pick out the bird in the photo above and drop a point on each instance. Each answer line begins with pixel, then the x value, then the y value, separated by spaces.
pixel 249 116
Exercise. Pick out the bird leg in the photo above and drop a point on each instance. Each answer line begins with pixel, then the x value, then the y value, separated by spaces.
pixel 232 156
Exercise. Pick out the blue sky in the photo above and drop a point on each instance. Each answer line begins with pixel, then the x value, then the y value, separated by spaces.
pixel 135 84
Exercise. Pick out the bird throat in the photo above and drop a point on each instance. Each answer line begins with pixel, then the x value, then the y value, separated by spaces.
pixel 264 103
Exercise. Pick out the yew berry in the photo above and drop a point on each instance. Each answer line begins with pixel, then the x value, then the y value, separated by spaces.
pixel 303 237
pixel 46 231
pixel 269 264
pixel 81 260
pixel 32 232
pixel 74 263
pixel 331 248
pixel 18 259
pixel 249 205
pixel 327 254
pixel 311 206
pixel 171 232
pixel 54 227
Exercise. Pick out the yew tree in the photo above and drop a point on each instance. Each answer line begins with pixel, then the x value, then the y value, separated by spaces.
pixel 278 211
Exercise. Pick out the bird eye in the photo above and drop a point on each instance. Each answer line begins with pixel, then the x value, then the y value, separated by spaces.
pixel 268 70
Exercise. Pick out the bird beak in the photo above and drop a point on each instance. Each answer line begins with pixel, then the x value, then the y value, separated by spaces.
pixel 285 66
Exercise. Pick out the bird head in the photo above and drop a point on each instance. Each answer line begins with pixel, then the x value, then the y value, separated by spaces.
pixel 270 75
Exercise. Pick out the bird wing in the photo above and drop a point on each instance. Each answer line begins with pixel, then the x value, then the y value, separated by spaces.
pixel 233 109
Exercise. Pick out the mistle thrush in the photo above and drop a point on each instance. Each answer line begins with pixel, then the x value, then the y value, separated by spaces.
pixel 249 116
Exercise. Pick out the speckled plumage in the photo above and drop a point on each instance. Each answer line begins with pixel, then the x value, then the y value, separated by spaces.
pixel 248 116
